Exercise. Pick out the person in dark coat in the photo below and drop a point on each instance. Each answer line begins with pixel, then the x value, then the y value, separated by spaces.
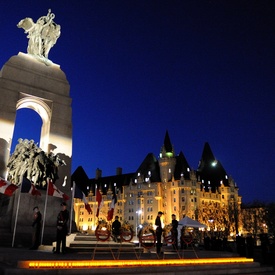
pixel 116 225
pixel 174 231
pixel 62 228
pixel 158 232
pixel 36 225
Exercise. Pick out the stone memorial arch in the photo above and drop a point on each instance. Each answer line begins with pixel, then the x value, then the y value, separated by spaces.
pixel 32 81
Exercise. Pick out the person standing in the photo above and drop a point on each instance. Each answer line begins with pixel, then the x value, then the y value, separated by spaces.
pixel 116 225
pixel 36 225
pixel 62 228
pixel 158 231
pixel 174 231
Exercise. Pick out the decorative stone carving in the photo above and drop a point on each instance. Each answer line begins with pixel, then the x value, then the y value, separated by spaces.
pixel 42 35
pixel 30 161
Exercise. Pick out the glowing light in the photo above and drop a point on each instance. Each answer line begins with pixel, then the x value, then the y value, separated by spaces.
pixel 85 227
pixel 68 264
pixel 214 163
pixel 65 181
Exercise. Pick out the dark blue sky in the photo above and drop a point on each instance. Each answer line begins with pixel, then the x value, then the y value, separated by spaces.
pixel 203 70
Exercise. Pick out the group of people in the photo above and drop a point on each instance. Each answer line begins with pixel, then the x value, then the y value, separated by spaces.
pixel 159 229
pixel 61 228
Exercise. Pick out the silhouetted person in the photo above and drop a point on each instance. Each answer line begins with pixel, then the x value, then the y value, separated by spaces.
pixel 116 225
pixel 62 228
pixel 37 218
pixel 174 231
pixel 158 231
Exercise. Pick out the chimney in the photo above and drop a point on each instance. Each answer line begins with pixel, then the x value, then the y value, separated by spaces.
pixel 119 171
pixel 98 173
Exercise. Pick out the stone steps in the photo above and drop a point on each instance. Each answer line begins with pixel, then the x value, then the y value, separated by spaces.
pixel 88 243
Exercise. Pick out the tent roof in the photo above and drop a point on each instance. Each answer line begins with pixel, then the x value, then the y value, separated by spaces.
pixel 186 221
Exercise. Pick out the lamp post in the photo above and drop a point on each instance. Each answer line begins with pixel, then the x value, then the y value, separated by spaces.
pixel 138 212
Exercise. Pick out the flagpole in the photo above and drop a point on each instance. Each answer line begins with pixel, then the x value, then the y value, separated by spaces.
pixel 44 215
pixel 16 217
pixel 72 204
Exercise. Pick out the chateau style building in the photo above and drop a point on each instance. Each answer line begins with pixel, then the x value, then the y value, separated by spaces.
pixel 166 184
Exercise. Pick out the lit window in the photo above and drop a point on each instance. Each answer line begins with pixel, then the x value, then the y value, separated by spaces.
pixel 188 169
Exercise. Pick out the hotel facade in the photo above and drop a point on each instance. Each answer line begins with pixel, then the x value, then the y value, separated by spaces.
pixel 168 184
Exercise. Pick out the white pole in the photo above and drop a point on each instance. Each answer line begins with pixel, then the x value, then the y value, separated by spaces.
pixel 16 216
pixel 72 205
pixel 45 210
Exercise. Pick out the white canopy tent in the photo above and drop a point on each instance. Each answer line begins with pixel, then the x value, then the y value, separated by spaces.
pixel 188 222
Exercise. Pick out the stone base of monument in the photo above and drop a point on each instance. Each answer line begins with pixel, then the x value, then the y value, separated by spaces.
pixel 17 217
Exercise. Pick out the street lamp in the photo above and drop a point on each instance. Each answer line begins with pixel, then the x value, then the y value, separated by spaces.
pixel 138 212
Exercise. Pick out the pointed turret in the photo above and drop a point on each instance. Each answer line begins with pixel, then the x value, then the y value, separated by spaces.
pixel 167 160
pixel 167 149
pixel 81 179
pixel 182 167
pixel 148 169
pixel 210 171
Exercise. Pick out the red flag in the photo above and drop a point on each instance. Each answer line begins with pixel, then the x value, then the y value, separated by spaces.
pixel 6 187
pixel 55 192
pixel 112 207
pixel 99 201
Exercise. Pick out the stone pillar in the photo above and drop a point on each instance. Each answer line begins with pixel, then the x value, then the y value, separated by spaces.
pixel 25 82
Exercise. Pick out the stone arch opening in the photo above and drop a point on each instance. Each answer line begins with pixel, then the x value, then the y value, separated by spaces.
pixel 45 113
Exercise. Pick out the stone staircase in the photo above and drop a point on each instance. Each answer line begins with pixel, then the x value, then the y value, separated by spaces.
pixel 87 243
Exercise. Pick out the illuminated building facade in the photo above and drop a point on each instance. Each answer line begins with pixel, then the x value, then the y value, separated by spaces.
pixel 166 184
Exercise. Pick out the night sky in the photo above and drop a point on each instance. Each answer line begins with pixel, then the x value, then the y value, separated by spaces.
pixel 203 70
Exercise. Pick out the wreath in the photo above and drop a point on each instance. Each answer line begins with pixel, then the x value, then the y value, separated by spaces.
pixel 168 234
pixel 188 239
pixel 102 232
pixel 126 233
pixel 147 237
